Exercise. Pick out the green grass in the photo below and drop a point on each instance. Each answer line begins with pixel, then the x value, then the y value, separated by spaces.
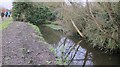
pixel 35 27
pixel 38 31
pixel 55 27
pixel 5 23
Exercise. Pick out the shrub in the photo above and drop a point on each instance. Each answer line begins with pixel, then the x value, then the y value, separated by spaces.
pixel 28 11
pixel 40 15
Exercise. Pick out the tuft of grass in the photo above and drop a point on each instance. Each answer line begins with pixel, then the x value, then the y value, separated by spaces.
pixel 5 23
pixel 58 60
pixel 55 27
pixel 36 28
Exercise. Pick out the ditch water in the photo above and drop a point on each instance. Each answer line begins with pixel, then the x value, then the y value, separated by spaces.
pixel 74 51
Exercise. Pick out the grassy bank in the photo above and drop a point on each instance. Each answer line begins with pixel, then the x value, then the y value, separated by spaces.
pixel 36 28
pixel 5 23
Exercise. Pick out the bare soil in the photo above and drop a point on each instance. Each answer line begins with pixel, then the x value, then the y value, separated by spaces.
pixel 21 46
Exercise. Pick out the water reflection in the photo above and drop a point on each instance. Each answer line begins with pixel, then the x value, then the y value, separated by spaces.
pixel 74 51
pixel 51 36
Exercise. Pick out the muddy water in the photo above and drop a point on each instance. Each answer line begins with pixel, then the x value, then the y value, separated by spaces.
pixel 74 51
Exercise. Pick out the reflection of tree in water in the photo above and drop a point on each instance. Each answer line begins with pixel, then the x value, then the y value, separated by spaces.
pixel 49 34
pixel 73 51
pixel 80 53
pixel 69 51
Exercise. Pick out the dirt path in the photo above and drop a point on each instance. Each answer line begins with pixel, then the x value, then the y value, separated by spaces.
pixel 21 46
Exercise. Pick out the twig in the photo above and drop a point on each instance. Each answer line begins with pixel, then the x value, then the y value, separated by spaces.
pixel 77 29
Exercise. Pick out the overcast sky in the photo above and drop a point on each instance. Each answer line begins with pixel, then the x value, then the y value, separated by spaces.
pixel 6 3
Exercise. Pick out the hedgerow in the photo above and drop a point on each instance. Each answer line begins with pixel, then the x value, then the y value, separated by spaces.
pixel 29 12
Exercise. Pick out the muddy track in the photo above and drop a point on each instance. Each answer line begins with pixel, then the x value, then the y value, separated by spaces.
pixel 22 46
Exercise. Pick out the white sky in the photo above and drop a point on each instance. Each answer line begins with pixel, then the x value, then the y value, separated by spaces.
pixel 6 3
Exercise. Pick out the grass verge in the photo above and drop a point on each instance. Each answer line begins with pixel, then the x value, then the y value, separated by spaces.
pixel 38 31
pixel 58 61
pixel 5 23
